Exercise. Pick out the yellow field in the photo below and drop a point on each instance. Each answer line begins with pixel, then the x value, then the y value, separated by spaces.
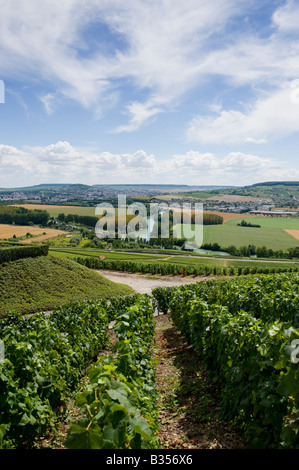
pixel 39 234
pixel 42 206
pixel 294 233
pixel 225 215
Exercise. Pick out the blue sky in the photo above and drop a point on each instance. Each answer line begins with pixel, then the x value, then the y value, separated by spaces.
pixel 149 91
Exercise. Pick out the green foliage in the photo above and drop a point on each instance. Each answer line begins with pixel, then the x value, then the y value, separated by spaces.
pixel 86 220
pixel 43 283
pixel 211 219
pixel 244 223
pixel 119 401
pixel 164 268
pixel 45 356
pixel 244 330
pixel 18 252
pixel 22 216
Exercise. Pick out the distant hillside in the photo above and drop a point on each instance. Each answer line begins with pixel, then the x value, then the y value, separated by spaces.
pixel 276 190
pixel 46 187
pixel 36 284
pixel 277 183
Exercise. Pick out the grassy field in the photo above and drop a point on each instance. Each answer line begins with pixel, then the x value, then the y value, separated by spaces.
pixel 230 233
pixel 182 259
pixel 186 260
pixel 269 222
pixel 54 211
pixel 187 195
pixel 74 252
pixel 37 284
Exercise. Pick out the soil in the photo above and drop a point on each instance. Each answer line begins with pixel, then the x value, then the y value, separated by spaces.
pixel 144 283
pixel 293 232
pixel 188 403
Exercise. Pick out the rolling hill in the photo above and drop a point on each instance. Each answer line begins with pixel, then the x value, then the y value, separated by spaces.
pixel 38 284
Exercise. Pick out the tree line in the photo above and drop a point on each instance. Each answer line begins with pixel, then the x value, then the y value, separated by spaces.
pixel 22 216
pixel 252 250
pixel 87 220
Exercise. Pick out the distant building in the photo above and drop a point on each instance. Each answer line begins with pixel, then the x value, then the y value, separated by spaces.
pixel 275 213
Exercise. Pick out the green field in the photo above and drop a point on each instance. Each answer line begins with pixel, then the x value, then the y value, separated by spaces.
pixel 230 234
pixel 108 254
pixel 230 262
pixel 269 222
pixel 196 194
pixel 54 211
pixel 36 284
pixel 182 259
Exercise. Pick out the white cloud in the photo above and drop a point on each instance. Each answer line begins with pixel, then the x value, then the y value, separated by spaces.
pixel 160 50
pixel 163 55
pixel 275 115
pixel 255 141
pixel 286 17
pixel 48 101
pixel 63 163
pixel 61 152
pixel 140 114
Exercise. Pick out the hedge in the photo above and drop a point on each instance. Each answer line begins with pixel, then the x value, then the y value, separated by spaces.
pixel 18 252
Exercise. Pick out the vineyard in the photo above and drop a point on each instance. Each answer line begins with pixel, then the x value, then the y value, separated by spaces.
pixel 178 267
pixel 245 329
pixel 45 357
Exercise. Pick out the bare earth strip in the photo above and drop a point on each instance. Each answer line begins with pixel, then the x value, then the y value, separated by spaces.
pixel 294 233
pixel 8 231
pixel 143 283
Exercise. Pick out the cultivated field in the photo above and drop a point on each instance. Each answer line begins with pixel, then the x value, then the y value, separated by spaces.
pixel 233 198
pixel 39 234
pixel 209 196
pixel 54 211
pixel 229 216
pixel 293 233
pixel 181 259
pixel 269 222
pixel 226 235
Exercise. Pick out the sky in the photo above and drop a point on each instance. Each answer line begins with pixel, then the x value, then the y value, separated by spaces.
pixel 196 92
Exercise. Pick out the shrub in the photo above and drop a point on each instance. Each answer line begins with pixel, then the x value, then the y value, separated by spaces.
pixel 18 252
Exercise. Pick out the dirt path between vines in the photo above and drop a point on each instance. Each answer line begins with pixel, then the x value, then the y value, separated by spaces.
pixel 144 283
pixel 188 404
